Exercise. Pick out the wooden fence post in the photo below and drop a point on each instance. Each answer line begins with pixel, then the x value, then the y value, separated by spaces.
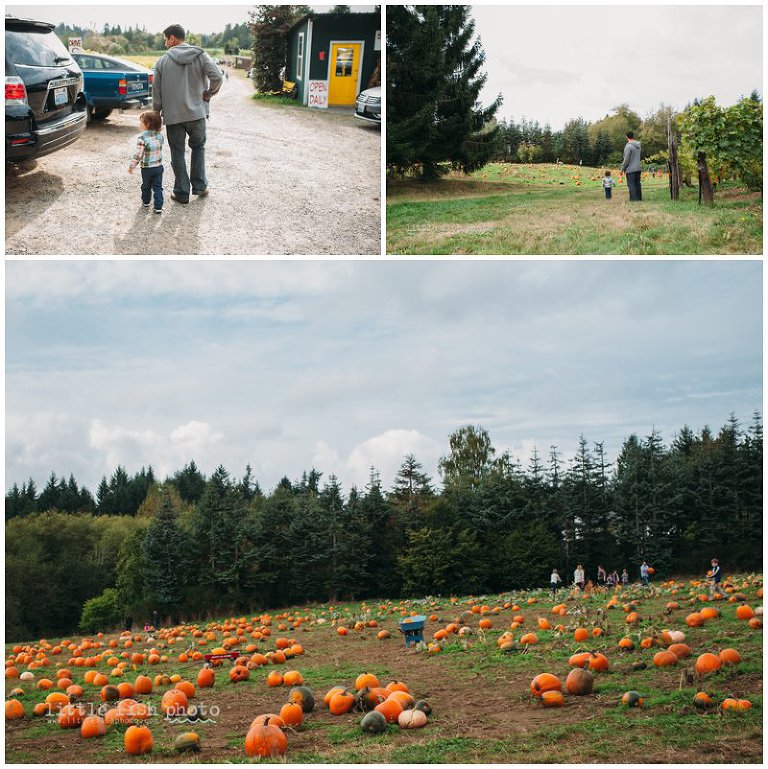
pixel 705 185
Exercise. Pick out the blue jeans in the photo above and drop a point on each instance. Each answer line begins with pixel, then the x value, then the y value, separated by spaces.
pixel 607 193
pixel 633 185
pixel 177 133
pixel 152 181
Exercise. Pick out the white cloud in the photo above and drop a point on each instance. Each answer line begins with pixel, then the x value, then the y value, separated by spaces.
pixel 286 365
pixel 384 453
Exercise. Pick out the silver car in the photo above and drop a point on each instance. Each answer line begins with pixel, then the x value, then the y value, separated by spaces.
pixel 368 105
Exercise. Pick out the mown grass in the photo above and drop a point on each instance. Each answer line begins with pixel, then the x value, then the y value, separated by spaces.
pixel 542 211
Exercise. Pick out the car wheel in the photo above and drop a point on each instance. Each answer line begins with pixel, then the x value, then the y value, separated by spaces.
pixel 100 113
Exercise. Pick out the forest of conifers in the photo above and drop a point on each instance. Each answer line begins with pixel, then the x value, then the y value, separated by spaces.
pixel 192 547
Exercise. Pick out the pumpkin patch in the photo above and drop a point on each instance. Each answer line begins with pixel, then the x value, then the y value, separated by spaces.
pixel 571 672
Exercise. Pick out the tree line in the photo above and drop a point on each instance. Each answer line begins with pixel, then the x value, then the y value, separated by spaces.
pixel 197 547
pixel 114 40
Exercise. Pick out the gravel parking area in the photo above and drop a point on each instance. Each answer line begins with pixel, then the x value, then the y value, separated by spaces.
pixel 282 180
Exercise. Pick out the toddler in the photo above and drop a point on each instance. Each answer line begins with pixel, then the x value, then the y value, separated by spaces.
pixel 149 154
pixel 608 183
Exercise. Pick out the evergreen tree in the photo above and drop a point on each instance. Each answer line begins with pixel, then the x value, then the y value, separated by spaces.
pixel 163 556
pixel 270 25
pixel 434 80
pixel 189 482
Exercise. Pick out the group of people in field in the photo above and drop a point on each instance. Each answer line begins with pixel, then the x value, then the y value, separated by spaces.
pixel 612 579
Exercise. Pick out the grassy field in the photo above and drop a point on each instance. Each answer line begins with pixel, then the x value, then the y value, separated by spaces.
pixel 482 707
pixel 549 209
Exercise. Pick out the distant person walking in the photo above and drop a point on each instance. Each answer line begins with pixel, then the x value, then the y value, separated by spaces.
pixel 624 577
pixel 645 574
pixel 632 167
pixel 601 575
pixel 578 577
pixel 185 80
pixel 554 581
pixel 715 575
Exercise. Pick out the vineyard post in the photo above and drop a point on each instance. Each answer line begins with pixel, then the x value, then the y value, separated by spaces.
pixel 672 164
pixel 705 185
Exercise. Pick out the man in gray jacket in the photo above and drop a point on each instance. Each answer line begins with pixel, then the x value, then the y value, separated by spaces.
pixel 631 165
pixel 185 80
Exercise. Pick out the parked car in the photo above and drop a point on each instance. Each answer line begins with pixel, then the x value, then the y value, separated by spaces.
pixel 368 105
pixel 112 83
pixel 45 108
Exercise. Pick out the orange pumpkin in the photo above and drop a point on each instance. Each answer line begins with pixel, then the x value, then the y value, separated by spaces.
pixel 702 701
pixel 729 657
pixel 598 662
pixel 707 663
pixel 292 714
pixel 664 659
pixel 187 687
pixel 293 678
pixel 142 685
pixel 205 678
pixel 71 716
pixel 552 699
pixel 341 702
pixel 390 709
pixel 138 740
pixel 239 673
pixel 14 710
pixel 265 739
pixel 745 612
pixel 93 726
pixel 545 682
pixel 580 634
pixel 680 650
pixel 174 702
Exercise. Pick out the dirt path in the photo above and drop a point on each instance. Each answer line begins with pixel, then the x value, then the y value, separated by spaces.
pixel 283 180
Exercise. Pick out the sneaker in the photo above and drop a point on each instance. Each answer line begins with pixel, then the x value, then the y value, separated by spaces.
pixel 158 210
pixel 146 205
pixel 201 194
pixel 177 199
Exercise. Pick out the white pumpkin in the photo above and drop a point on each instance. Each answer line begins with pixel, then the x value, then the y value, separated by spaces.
pixel 412 719
pixel 27 675
pixel 677 636
pixel 759 611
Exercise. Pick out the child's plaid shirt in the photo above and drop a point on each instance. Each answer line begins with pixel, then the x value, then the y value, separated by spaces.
pixel 149 150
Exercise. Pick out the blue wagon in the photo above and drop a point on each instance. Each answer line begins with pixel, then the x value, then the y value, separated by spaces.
pixel 413 629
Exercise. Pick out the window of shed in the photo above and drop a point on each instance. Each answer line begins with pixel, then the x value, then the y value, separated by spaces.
pixel 300 58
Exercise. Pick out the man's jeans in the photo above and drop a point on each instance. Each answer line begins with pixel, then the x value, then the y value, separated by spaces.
pixel 152 181
pixel 633 185
pixel 177 133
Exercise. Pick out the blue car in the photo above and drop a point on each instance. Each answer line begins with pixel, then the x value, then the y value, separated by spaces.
pixel 111 83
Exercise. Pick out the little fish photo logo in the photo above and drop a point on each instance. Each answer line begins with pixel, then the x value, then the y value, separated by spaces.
pixel 193 714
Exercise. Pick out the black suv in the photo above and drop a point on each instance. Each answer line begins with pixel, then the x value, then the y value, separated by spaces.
pixel 44 100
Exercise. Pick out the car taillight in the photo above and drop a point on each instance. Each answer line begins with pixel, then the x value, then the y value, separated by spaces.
pixel 122 87
pixel 15 91
pixel 151 78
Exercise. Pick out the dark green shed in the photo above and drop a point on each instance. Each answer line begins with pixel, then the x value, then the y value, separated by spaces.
pixel 334 56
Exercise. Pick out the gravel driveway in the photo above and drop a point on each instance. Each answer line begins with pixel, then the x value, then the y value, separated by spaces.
pixel 283 180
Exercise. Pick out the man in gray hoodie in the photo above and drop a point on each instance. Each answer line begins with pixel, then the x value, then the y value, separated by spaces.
pixel 631 165
pixel 185 80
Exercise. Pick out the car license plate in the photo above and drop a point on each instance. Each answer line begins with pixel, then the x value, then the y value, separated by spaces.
pixel 60 96
pixel 135 85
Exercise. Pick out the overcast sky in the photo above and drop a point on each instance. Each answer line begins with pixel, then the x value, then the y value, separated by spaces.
pixel 553 63
pixel 205 18
pixel 347 364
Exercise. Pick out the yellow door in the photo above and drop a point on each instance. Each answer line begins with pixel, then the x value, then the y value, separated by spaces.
pixel 344 72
